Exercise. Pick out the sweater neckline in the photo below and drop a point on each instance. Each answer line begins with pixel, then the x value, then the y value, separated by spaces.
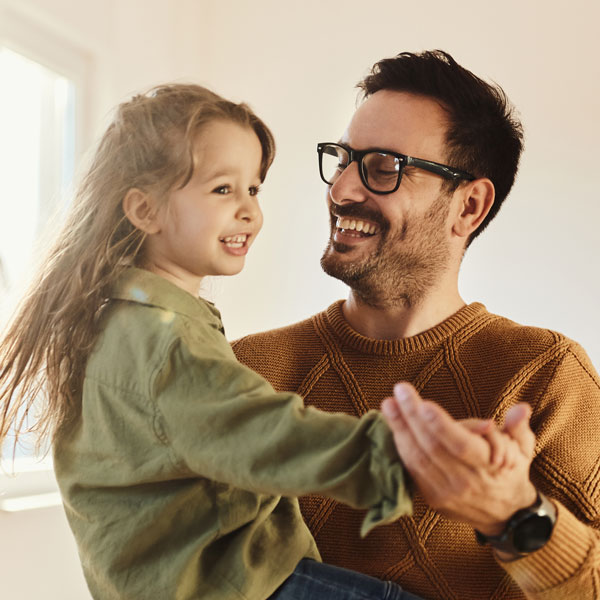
pixel 336 320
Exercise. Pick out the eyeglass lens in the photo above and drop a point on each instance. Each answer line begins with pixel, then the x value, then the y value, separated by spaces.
pixel 379 170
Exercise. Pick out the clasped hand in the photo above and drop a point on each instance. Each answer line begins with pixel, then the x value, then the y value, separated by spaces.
pixel 469 470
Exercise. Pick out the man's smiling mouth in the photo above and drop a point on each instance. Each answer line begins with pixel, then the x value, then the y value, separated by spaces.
pixel 356 227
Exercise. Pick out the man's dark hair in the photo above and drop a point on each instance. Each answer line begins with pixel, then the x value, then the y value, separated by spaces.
pixel 484 136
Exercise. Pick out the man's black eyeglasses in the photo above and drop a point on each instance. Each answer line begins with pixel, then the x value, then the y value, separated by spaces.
pixel 380 170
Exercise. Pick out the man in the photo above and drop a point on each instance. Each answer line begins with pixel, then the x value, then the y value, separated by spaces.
pixel 425 164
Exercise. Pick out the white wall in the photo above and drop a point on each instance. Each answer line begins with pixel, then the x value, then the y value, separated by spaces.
pixel 296 64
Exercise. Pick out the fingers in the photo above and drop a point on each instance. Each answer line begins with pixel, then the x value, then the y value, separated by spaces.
pixel 498 447
pixel 432 438
pixel 487 428
pixel 406 443
pixel 391 412
pixel 426 474
pixel 516 415
pixel 504 450
pixel 516 425
pixel 437 433
pixel 479 426
pixel 449 461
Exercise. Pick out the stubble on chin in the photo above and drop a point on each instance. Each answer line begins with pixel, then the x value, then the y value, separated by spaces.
pixel 335 263
pixel 351 272
pixel 403 267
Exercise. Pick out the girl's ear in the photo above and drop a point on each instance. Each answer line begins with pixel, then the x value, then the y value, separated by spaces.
pixel 476 199
pixel 139 207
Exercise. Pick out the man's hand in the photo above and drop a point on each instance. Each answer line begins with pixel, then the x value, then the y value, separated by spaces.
pixel 469 471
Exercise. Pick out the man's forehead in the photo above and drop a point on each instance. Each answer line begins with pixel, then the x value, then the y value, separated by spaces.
pixel 398 121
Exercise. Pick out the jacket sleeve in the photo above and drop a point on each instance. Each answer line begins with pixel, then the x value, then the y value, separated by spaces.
pixel 226 423
pixel 567 466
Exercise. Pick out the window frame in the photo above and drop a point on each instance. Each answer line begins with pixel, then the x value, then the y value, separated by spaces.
pixel 28 482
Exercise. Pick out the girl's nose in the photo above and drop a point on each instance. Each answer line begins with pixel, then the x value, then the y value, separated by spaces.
pixel 249 210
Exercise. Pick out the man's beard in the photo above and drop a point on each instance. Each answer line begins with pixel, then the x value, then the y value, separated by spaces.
pixel 405 264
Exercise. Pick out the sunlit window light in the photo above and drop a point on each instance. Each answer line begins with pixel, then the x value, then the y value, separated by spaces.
pixel 37 154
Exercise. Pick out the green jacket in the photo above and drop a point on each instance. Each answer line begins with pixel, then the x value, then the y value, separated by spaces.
pixel 180 476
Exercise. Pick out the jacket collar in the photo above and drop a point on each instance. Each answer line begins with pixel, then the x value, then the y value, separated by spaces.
pixel 145 287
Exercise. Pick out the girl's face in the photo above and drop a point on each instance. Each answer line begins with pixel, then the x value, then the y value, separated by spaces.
pixel 207 227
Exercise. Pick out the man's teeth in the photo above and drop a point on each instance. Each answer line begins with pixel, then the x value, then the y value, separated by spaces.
pixel 356 225
pixel 235 241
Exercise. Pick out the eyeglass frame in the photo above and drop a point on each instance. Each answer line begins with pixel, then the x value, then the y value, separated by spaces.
pixel 444 171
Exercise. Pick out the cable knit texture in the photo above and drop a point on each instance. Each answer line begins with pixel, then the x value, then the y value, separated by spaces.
pixel 474 364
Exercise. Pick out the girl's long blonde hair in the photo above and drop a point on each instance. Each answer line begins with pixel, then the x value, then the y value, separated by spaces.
pixel 149 146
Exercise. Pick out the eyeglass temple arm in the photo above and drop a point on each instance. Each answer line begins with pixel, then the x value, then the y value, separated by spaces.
pixel 438 169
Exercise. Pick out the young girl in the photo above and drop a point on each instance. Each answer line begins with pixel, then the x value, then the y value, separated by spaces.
pixel 177 465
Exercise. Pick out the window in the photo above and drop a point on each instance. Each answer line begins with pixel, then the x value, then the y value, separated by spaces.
pixel 41 110
pixel 37 120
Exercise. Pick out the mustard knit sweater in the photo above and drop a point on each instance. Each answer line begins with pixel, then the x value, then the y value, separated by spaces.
pixel 474 364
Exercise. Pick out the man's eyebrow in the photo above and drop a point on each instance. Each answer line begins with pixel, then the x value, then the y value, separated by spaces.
pixel 372 149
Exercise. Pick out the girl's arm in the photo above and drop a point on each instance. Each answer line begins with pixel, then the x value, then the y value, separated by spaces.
pixel 225 422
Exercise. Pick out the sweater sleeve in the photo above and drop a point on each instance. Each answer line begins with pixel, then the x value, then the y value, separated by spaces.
pixel 226 423
pixel 567 426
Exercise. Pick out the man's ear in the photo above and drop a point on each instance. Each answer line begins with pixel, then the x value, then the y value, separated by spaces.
pixel 476 200
pixel 140 208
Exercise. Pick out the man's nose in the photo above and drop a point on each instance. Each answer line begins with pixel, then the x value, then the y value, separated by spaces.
pixel 348 187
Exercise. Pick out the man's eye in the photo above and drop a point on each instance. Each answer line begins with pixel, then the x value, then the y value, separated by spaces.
pixel 254 190
pixel 222 189
pixel 389 174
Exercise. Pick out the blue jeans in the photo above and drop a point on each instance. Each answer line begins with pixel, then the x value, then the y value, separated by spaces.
pixel 313 580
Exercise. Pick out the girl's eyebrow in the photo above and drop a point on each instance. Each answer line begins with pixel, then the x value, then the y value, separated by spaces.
pixel 217 174
pixel 209 175
pixel 213 171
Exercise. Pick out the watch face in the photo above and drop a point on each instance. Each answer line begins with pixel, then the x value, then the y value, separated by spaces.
pixel 532 533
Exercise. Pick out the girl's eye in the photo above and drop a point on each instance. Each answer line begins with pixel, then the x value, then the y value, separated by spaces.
pixel 254 190
pixel 222 189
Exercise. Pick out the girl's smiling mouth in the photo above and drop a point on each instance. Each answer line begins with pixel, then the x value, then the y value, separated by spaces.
pixel 235 241
pixel 236 244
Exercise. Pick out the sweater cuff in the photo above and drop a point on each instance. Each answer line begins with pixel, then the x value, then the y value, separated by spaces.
pixel 386 471
pixel 558 560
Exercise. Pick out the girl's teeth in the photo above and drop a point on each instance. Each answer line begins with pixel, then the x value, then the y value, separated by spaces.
pixel 235 241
